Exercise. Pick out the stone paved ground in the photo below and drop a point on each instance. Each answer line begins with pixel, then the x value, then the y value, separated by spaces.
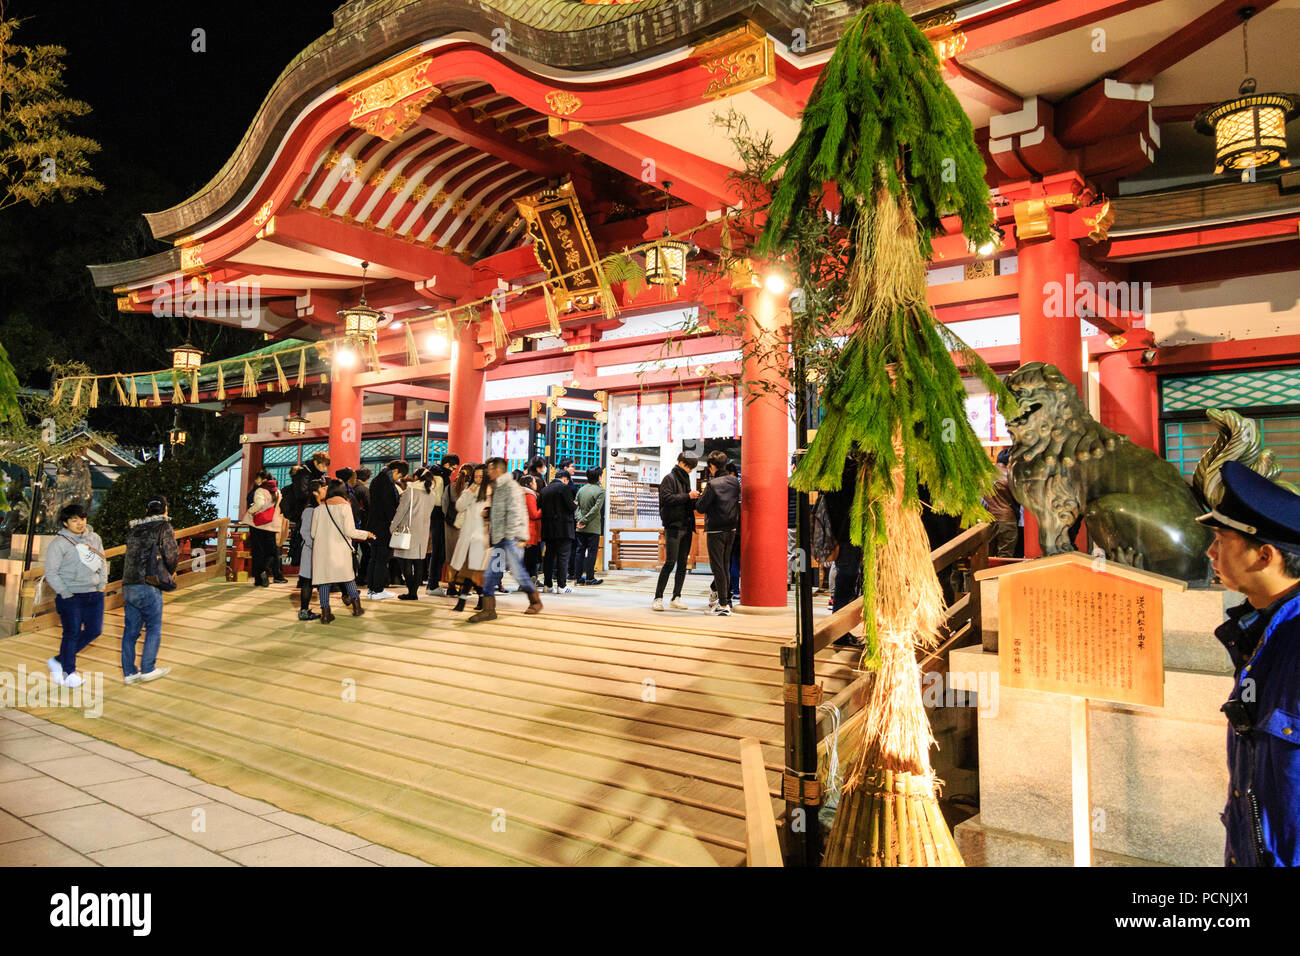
pixel 67 799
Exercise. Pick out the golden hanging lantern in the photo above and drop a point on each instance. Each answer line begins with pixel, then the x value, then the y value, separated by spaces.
pixel 1250 129
pixel 186 358
pixel 297 425
pixel 361 323
pixel 665 261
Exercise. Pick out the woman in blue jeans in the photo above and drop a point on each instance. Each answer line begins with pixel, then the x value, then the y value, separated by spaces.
pixel 151 559
pixel 77 572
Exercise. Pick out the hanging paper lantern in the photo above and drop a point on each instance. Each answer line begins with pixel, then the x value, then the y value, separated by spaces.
pixel 186 358
pixel 297 425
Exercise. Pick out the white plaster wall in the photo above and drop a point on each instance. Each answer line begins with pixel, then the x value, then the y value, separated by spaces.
pixel 1246 308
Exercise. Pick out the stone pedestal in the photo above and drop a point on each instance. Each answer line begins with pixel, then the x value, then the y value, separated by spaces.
pixel 1159 775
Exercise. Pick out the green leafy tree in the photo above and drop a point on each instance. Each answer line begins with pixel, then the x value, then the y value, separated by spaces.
pixel 184 482
pixel 40 159
pixel 9 408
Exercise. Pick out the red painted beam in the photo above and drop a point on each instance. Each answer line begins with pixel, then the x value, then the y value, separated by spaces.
pixel 1177 114
pixel 699 181
pixel 1020 24
pixel 975 85
pixel 1205 29
pixel 314 233
pixel 973 290
pixel 440 118
pixel 1204 237
pixel 1266 259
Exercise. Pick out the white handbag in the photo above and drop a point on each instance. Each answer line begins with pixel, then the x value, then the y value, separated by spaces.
pixel 401 540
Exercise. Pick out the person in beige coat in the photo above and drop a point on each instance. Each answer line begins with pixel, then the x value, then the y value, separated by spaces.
pixel 264 517
pixel 332 534
pixel 414 514
pixel 470 559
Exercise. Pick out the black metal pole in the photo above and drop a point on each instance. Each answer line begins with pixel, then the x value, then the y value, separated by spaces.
pixel 805 748
pixel 37 477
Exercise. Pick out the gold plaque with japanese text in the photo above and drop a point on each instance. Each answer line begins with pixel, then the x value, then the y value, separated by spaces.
pixel 1081 626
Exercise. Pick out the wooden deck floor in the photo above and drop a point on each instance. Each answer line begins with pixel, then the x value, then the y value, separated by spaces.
pixel 599 733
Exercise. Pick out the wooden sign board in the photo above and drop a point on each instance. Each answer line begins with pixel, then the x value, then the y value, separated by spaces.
pixel 563 246
pixel 1080 626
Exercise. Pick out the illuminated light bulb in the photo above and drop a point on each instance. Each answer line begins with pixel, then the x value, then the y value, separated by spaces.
pixel 345 358
pixel 775 284
pixel 435 343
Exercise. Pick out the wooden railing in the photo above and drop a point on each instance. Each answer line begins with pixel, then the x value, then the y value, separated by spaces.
pixel 204 555
pixel 962 624
pixel 762 845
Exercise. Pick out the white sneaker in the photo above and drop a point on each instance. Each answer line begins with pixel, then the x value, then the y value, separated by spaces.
pixel 72 680
pixel 155 674
pixel 555 589
pixel 56 670
pixel 713 599
pixel 567 590
pixel 722 610
pixel 132 678
pixel 677 604
pixel 380 595
pixel 658 605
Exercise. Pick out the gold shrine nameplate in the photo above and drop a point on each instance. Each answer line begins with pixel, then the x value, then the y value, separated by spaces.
pixel 1082 626
pixel 563 246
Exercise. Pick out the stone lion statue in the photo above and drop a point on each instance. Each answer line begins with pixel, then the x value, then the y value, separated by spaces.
pixel 1067 468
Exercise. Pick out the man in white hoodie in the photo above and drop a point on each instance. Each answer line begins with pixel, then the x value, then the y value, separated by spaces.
pixel 76 571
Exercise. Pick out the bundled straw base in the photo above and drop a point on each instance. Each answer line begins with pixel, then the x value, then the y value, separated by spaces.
pixel 891 819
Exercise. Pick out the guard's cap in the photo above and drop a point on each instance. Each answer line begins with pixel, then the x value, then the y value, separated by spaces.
pixel 1255 506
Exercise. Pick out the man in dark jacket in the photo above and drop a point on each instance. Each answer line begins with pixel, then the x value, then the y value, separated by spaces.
pixel 1256 551
pixel 379 518
pixel 676 496
pixel 847 555
pixel 151 558
pixel 720 505
pixel 558 530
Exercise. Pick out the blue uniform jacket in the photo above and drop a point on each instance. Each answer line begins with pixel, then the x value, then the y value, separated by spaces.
pixel 1265 763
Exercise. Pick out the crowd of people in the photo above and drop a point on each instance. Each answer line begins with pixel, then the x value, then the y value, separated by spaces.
pixel 455 529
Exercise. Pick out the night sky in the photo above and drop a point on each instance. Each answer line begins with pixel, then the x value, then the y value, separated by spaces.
pixel 158 106
pixel 168 119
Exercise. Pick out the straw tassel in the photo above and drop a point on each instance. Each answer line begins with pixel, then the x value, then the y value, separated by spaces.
pixel 178 393
pixel 221 382
pixel 374 356
pixel 135 394
pixel 94 393
pixel 279 374
pixel 412 353
pixel 552 313
pixel 117 384
pixel 58 391
pixel 250 383
pixel 194 386
pixel 157 398
pixel 302 368
pixel 76 396
pixel 499 336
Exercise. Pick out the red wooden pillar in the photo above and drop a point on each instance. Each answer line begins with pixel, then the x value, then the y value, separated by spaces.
pixel 765 471
pixel 1049 328
pixel 345 419
pixel 468 390
pixel 250 459
pixel 1128 398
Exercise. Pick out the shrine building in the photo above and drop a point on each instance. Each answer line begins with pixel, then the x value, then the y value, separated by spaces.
pixel 463 151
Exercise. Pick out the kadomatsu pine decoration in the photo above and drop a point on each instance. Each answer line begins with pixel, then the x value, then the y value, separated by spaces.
pixel 885 129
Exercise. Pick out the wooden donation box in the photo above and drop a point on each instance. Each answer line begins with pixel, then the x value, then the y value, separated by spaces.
pixel 1084 627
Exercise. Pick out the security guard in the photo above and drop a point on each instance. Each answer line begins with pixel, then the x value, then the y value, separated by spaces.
pixel 1256 551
